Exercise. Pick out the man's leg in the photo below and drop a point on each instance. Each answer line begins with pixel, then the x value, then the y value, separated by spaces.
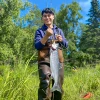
pixel 44 75
pixel 62 76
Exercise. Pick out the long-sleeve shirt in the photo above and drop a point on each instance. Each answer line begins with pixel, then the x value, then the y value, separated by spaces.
pixel 41 32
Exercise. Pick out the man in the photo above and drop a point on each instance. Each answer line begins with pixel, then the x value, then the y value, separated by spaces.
pixel 43 41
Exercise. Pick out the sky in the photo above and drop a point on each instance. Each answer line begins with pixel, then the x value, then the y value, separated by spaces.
pixel 84 4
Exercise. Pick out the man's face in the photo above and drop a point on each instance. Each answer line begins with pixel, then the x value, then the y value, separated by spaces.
pixel 48 18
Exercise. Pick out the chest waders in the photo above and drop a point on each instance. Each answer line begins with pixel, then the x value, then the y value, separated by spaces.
pixel 44 92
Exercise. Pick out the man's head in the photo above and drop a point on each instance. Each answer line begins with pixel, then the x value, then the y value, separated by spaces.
pixel 47 10
pixel 47 16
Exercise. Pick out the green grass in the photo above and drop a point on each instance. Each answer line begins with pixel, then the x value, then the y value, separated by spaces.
pixel 21 83
pixel 82 81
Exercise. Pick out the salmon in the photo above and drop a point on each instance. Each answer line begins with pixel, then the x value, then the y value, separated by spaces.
pixel 55 66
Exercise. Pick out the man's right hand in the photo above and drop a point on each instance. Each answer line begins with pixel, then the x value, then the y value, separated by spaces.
pixel 49 32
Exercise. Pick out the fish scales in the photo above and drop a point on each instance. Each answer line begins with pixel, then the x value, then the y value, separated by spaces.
pixel 55 66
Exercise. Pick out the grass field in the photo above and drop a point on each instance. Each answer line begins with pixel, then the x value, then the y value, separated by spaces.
pixel 21 83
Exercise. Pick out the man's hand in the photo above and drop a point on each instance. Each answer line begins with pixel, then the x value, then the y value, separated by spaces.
pixel 49 32
pixel 59 38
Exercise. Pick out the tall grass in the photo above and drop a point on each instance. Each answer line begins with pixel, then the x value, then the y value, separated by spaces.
pixel 82 81
pixel 21 83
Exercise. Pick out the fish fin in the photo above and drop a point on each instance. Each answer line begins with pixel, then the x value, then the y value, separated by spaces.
pixel 56 88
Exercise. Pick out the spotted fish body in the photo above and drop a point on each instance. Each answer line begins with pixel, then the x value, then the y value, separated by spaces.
pixel 55 66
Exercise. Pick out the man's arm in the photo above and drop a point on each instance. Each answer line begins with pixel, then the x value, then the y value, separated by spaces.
pixel 49 32
pixel 38 37
pixel 40 41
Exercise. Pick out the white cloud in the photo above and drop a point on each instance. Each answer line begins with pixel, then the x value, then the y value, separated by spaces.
pixel 85 5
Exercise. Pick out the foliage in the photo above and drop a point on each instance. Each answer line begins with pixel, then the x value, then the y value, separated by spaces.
pixel 21 83
pixel 17 32
pixel 68 20
pixel 90 39
pixel 16 38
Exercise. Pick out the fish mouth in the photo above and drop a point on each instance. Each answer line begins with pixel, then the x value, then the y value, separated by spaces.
pixel 53 48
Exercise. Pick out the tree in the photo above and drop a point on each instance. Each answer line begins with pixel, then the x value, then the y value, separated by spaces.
pixel 16 41
pixel 94 15
pixel 90 40
pixel 68 20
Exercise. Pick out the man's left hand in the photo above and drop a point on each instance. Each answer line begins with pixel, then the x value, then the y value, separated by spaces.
pixel 59 38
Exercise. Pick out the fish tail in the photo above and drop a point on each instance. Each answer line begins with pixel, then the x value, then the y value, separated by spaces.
pixel 56 88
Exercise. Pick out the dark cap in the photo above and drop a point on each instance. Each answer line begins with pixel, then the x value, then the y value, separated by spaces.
pixel 47 10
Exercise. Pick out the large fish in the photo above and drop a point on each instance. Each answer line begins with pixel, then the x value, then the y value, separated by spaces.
pixel 55 66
